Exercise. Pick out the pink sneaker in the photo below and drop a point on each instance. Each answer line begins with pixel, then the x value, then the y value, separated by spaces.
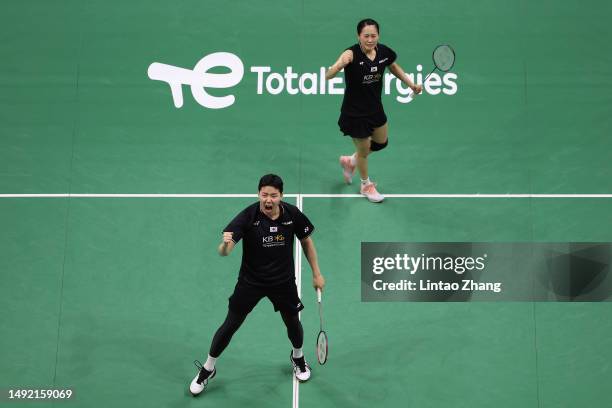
pixel 348 168
pixel 369 190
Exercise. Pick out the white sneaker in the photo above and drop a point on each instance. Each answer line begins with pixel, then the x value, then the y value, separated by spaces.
pixel 200 381
pixel 369 190
pixel 301 369
pixel 348 168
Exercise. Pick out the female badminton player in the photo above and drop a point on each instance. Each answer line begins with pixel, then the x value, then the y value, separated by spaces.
pixel 362 115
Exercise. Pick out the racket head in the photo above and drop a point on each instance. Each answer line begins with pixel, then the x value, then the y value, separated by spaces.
pixel 322 347
pixel 444 57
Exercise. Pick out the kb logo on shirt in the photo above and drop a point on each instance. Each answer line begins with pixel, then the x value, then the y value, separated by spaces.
pixel 274 240
pixel 368 79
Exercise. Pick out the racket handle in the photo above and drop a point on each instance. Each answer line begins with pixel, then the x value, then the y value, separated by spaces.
pixel 318 295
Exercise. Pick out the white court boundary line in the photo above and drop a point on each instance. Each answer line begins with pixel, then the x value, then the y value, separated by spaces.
pixel 299 203
pixel 119 195
pixel 298 282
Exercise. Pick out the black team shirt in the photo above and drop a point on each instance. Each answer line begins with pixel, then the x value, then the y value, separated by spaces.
pixel 364 81
pixel 267 253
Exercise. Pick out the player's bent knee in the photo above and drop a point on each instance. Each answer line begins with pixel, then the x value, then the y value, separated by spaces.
pixel 375 146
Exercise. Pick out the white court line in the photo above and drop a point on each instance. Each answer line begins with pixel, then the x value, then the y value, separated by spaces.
pixel 301 196
pixel 298 283
pixel 71 195
pixel 463 195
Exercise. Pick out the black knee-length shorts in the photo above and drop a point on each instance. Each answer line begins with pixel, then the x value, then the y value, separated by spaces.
pixel 284 297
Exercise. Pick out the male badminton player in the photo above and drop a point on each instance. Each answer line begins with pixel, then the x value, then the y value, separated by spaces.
pixel 362 115
pixel 266 228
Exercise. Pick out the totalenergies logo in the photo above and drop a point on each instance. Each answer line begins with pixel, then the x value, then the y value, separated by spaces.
pixel 274 83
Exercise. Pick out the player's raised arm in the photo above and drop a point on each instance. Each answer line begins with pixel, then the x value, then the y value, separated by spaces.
pixel 227 244
pixel 345 58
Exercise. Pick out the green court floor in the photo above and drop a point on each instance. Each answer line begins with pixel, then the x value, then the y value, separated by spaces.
pixel 115 297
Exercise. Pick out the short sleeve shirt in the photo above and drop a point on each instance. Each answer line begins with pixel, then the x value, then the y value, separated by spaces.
pixel 267 254
pixel 364 81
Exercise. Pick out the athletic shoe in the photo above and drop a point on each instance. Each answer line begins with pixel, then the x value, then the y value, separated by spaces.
pixel 348 168
pixel 301 369
pixel 369 190
pixel 200 381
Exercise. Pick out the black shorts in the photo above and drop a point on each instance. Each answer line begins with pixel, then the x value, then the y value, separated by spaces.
pixel 284 297
pixel 361 127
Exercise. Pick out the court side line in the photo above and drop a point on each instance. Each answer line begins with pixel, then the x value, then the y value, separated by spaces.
pixel 464 195
pixel 87 195
pixel 298 282
pixel 134 195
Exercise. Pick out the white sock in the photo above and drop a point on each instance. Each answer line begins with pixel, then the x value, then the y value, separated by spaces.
pixel 366 181
pixel 354 159
pixel 297 353
pixel 209 365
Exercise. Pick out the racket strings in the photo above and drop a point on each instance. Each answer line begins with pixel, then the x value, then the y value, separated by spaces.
pixel 444 57
pixel 322 347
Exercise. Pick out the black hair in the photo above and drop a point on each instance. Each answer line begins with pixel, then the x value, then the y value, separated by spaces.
pixel 365 22
pixel 271 180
